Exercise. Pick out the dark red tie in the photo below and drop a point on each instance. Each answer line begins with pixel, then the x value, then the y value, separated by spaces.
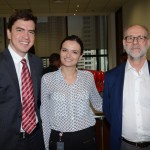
pixel 28 108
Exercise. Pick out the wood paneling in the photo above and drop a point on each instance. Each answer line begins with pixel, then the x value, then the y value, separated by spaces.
pixel 102 133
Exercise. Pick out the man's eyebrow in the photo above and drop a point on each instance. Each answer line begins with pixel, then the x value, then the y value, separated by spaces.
pixel 33 30
pixel 20 28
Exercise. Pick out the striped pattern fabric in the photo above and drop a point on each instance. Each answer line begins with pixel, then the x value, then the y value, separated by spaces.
pixel 28 108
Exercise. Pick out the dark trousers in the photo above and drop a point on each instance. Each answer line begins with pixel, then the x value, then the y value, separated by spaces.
pixel 32 142
pixel 79 140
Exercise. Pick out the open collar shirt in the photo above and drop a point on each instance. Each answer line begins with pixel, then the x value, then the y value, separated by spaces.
pixel 136 104
pixel 66 108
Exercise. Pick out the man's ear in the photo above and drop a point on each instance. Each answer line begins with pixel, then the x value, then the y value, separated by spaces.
pixel 8 34
pixel 148 43
pixel 123 42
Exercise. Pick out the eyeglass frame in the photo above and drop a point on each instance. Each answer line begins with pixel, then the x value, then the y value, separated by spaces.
pixel 138 38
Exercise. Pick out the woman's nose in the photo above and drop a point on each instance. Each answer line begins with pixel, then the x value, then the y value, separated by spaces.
pixel 68 54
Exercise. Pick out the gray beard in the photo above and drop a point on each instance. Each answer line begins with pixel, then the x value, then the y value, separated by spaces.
pixel 137 57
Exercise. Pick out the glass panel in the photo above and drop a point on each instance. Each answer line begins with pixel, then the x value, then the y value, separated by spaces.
pixel 103 63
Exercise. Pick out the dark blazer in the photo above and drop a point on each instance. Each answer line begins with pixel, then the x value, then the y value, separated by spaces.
pixel 112 103
pixel 50 68
pixel 10 101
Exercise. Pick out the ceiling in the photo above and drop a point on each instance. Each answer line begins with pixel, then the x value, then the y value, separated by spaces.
pixel 61 7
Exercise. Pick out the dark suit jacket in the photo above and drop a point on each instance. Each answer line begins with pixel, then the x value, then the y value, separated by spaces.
pixel 10 102
pixel 112 103
pixel 50 68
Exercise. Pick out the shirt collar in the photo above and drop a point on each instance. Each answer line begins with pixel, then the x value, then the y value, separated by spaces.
pixel 16 58
pixel 61 75
pixel 61 67
pixel 144 69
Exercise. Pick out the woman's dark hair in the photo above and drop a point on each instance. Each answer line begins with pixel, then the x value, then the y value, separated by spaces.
pixel 73 38
pixel 24 14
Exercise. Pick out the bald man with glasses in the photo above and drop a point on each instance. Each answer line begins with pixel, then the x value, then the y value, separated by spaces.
pixel 126 97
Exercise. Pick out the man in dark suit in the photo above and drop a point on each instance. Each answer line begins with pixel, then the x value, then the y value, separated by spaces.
pixel 21 35
pixel 54 63
pixel 126 99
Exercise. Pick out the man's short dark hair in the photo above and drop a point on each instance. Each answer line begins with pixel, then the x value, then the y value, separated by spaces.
pixel 24 14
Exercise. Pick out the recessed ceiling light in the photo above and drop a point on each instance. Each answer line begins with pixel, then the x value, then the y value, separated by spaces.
pixel 58 1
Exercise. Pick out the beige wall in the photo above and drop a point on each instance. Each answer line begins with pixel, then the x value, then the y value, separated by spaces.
pixel 134 12
pixel 111 41
pixel 2 39
pixel 137 12
pixel 50 32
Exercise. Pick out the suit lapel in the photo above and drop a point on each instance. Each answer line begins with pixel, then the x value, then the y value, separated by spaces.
pixel 120 73
pixel 9 64
pixel 149 66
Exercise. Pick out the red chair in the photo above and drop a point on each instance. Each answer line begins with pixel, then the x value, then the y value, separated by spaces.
pixel 99 79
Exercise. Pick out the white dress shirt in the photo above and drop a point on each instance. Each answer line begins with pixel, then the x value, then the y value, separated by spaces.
pixel 18 65
pixel 66 108
pixel 136 104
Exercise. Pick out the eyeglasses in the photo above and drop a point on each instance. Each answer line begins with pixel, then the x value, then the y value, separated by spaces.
pixel 140 39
